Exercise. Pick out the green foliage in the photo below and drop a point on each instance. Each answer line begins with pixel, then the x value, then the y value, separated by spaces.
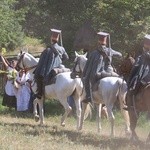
pixel 29 41
pixel 126 20
pixel 10 20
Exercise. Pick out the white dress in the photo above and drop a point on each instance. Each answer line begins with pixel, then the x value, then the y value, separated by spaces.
pixel 9 98
pixel 9 87
pixel 24 92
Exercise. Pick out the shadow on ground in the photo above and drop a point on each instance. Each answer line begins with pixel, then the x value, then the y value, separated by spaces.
pixel 102 142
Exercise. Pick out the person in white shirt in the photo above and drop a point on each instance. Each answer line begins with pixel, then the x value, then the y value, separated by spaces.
pixel 9 98
pixel 24 91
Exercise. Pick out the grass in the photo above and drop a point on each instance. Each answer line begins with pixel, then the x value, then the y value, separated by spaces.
pixel 32 45
pixel 19 131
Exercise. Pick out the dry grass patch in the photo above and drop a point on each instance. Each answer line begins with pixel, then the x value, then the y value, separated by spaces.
pixel 18 131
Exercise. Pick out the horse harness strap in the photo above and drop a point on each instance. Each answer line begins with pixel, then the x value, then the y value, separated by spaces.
pixel 29 68
pixel 25 68
pixel 80 70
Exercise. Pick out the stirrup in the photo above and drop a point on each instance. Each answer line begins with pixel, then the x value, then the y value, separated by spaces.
pixel 39 96
pixel 127 108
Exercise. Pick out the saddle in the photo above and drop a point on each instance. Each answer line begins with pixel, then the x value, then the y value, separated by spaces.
pixel 51 79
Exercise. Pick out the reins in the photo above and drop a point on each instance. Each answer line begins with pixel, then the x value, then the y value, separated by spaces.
pixel 21 61
pixel 74 68
pixel 78 72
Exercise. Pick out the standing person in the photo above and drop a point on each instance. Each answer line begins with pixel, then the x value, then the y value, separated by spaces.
pixel 140 73
pixel 24 91
pixel 50 58
pixel 9 98
pixel 98 64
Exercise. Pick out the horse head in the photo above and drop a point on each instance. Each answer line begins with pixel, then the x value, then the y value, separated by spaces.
pixel 26 61
pixel 126 66
pixel 80 61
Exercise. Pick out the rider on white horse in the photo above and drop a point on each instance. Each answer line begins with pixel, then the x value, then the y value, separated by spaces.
pixel 50 58
pixel 98 64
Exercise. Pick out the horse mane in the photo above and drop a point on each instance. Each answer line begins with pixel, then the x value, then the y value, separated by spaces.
pixel 126 66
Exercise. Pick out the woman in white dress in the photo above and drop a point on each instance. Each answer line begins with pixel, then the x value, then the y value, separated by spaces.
pixel 24 91
pixel 9 98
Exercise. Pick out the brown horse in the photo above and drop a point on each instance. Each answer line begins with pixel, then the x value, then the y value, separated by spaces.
pixel 126 66
pixel 140 101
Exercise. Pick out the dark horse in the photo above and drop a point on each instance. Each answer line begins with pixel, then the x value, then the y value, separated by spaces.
pixel 126 66
pixel 140 101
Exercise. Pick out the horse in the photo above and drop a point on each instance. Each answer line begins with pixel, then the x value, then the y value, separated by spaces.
pixel 60 90
pixel 141 102
pixel 108 90
pixel 125 67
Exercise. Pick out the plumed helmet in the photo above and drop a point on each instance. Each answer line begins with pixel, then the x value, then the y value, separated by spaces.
pixel 55 34
pixel 102 36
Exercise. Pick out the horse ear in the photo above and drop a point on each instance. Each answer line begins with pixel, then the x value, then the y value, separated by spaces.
pixel 76 54
pixel 85 54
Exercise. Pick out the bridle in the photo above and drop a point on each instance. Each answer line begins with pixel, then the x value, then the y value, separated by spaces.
pixel 20 61
pixel 74 71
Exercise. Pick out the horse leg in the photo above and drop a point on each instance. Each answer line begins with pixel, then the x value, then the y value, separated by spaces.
pixel 98 117
pixel 125 115
pixel 84 106
pixel 41 111
pixel 78 112
pixel 148 138
pixel 111 119
pixel 67 108
pixel 35 112
pixel 133 122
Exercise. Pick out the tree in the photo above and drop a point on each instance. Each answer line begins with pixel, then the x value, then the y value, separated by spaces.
pixel 126 20
pixel 11 34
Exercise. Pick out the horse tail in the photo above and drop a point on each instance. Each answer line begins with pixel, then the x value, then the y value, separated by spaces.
pixel 119 84
pixel 121 91
pixel 121 94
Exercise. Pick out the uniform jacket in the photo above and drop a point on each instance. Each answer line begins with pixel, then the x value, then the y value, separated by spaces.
pixel 98 61
pixel 50 58
pixel 140 71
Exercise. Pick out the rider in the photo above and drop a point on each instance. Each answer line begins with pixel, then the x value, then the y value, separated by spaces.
pixel 140 73
pixel 50 58
pixel 98 64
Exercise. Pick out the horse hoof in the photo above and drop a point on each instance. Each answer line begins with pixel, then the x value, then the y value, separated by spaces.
pixel 79 129
pixel 134 140
pixel 36 118
pixel 63 124
pixel 42 123
pixel 128 134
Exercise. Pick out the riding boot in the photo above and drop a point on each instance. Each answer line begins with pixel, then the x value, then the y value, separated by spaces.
pixel 39 82
pixel 88 92
pixel 129 100
pixel 133 92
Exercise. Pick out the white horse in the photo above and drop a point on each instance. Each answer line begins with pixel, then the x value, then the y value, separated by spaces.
pixel 60 90
pixel 108 91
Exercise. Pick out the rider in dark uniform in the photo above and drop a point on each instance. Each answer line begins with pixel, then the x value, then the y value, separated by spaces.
pixel 98 64
pixel 50 58
pixel 140 73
